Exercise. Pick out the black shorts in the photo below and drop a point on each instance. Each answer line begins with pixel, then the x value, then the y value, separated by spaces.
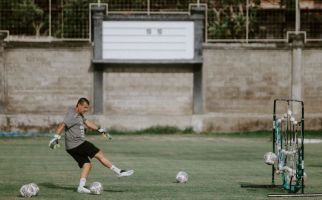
pixel 83 152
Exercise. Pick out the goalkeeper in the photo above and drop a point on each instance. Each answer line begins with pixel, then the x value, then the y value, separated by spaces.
pixel 76 145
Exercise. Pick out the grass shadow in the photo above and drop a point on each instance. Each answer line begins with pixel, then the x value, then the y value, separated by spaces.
pixel 263 186
pixel 54 186
pixel 71 188
pixel 315 165
pixel 110 190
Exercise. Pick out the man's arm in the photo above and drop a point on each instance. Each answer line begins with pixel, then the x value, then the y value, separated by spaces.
pixel 103 131
pixel 91 125
pixel 60 128
pixel 54 142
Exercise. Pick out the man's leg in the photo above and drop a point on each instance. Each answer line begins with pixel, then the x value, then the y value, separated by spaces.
pixel 84 174
pixel 100 157
pixel 86 169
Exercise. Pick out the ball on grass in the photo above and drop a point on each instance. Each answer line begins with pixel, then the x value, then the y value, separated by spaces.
pixel 96 188
pixel 182 177
pixel 29 190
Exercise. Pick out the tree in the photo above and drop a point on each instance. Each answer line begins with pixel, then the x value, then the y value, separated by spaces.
pixel 29 14
pixel 229 18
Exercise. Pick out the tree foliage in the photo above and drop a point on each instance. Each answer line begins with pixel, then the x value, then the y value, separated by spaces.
pixel 229 19
pixel 29 14
pixel 22 17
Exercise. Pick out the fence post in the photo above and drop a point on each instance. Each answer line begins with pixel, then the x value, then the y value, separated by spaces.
pixel 297 16
pixel 148 7
pixel 247 20
pixel 49 18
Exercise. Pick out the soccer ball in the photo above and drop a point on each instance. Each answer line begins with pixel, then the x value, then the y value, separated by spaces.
pixel 29 190
pixel 270 158
pixel 182 177
pixel 96 188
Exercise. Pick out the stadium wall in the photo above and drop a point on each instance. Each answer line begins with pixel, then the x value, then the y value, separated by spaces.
pixel 39 81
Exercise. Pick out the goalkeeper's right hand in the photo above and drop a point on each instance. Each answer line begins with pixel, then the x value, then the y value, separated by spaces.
pixel 104 132
pixel 54 143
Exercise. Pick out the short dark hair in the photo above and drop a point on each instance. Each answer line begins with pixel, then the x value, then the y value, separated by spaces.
pixel 82 101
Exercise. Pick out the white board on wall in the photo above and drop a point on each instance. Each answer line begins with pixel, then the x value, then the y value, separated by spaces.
pixel 148 40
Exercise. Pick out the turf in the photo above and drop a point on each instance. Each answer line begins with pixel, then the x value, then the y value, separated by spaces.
pixel 216 166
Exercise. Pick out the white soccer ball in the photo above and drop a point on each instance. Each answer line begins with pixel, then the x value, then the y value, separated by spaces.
pixel 289 112
pixel 96 188
pixel 270 158
pixel 29 190
pixel 182 177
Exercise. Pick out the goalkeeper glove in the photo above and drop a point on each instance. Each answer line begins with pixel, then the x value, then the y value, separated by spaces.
pixel 104 132
pixel 54 142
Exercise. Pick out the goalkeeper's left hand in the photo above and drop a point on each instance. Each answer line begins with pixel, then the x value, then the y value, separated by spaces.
pixel 54 143
pixel 104 132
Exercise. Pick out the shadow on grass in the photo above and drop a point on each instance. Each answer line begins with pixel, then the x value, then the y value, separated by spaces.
pixel 54 186
pixel 315 165
pixel 250 187
pixel 70 188
pixel 263 186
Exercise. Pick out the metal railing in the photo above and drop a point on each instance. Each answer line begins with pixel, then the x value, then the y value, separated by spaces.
pixel 240 21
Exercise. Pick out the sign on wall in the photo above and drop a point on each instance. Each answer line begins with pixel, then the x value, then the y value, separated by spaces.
pixel 148 40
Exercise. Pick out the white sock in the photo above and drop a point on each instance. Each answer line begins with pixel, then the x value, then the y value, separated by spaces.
pixel 115 169
pixel 82 182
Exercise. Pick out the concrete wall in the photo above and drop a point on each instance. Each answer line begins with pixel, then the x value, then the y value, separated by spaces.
pixel 136 98
pixel 44 80
pixel 39 82
pixel 245 79
pixel 312 73
pixel 148 90
pixel 241 82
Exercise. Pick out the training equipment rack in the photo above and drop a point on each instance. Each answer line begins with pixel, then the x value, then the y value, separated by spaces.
pixel 288 146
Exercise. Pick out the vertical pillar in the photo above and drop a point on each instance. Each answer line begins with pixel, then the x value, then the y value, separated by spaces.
pixel 98 91
pixel 98 13
pixel 198 15
pixel 197 90
pixel 2 74
pixel 297 44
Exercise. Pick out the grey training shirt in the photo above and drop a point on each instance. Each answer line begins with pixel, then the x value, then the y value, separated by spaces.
pixel 74 129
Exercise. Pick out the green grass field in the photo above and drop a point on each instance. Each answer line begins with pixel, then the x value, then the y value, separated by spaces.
pixel 216 165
